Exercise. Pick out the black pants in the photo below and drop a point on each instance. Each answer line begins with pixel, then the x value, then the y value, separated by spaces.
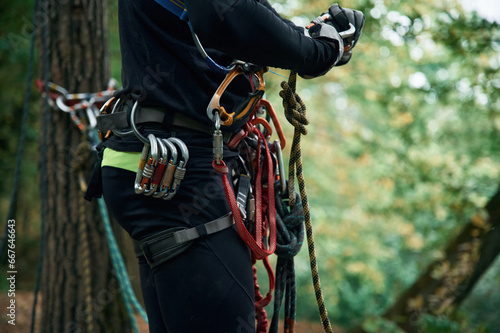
pixel 209 287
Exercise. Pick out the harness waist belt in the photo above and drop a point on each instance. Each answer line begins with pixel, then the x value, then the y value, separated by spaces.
pixel 120 120
pixel 167 244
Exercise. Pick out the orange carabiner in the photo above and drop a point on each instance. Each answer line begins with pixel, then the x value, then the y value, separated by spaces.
pixel 263 122
pixel 274 118
pixel 244 109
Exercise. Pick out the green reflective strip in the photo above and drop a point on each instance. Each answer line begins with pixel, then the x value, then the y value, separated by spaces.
pixel 121 159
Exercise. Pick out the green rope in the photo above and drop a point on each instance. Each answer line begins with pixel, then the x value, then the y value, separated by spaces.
pixel 295 112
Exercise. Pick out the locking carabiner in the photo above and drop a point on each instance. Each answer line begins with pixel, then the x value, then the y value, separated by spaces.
pixel 150 167
pixel 168 175
pixel 244 109
pixel 180 171
pixel 160 168
pixel 147 164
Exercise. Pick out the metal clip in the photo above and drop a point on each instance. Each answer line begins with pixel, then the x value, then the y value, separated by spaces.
pixel 218 142
pixel 142 163
pixel 149 168
pixel 180 171
pixel 281 165
pixel 168 175
pixel 160 168
pixel 147 164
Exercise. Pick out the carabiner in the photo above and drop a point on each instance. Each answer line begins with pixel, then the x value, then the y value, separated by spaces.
pixel 180 171
pixel 168 177
pixel 244 109
pixel 168 174
pixel 270 111
pixel 134 127
pixel 150 167
pixel 160 168
pixel 281 165
pixel 218 142
pixel 140 168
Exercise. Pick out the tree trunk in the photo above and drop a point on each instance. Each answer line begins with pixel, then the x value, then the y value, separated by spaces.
pixel 79 291
pixel 448 281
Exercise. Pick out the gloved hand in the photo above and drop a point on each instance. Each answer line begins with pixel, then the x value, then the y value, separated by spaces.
pixel 348 24
pixel 344 20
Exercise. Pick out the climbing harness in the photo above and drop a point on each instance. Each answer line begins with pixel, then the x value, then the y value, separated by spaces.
pixel 167 244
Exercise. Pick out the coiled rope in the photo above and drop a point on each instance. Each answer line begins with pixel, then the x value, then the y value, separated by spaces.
pixel 295 113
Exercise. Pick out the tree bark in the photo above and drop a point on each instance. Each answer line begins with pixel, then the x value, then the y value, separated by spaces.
pixel 448 281
pixel 79 291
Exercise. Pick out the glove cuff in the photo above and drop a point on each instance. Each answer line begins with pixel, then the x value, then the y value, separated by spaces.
pixel 329 34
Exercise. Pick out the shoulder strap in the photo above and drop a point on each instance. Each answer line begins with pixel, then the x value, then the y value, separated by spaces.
pixel 176 7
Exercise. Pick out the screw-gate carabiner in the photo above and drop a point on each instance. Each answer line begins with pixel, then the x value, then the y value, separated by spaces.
pixel 168 176
pixel 142 163
pixel 180 171
pixel 218 142
pixel 149 168
pixel 160 168
pixel 281 165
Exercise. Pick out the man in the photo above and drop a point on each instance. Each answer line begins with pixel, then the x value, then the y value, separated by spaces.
pixel 208 285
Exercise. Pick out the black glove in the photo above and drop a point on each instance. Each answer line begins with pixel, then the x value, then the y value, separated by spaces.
pixel 344 20
pixel 329 34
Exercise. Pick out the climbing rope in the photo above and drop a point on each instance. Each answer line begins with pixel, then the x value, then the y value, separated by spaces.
pixel 295 113
pixel 290 236
pixel 87 275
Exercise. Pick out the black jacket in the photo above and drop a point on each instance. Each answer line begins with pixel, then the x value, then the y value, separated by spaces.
pixel 162 64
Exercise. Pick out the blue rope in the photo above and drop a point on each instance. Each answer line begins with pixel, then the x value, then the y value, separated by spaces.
pixel 121 272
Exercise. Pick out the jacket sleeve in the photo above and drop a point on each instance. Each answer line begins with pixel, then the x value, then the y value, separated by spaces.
pixel 254 32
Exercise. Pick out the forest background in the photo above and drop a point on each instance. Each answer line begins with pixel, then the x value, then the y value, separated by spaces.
pixel 402 151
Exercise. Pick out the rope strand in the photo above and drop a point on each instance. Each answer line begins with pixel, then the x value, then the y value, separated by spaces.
pixel 295 112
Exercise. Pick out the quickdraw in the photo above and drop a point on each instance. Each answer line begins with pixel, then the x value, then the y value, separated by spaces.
pixel 83 108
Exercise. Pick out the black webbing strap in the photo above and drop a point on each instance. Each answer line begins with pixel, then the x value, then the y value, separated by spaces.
pixel 169 243
pixel 121 120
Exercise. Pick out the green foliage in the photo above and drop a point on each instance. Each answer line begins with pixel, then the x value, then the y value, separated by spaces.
pixel 378 325
pixel 402 150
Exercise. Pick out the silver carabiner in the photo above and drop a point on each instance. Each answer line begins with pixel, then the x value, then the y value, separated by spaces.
pixel 149 168
pixel 120 133
pixel 168 176
pixel 138 188
pixel 161 169
pixel 134 127
pixel 281 165
pixel 180 171
pixel 218 142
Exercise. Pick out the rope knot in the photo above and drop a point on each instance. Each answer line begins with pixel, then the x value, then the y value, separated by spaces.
pixel 295 109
